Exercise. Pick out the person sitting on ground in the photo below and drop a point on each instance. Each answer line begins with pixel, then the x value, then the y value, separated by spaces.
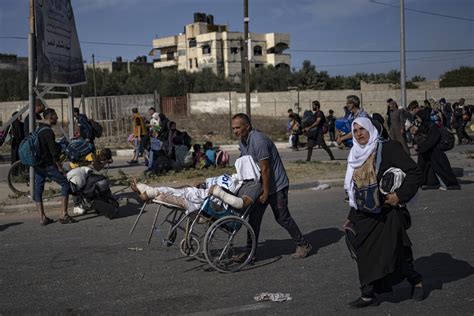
pixel 199 158
pixel 181 150
pixel 210 153
pixel 245 184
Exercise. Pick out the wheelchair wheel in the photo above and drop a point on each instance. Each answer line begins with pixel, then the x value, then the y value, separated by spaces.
pixel 189 248
pixel 226 239
pixel 19 178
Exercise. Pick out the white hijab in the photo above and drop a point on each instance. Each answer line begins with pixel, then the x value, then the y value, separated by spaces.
pixel 359 154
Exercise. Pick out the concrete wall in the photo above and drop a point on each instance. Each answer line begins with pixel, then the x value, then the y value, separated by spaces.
pixel 277 103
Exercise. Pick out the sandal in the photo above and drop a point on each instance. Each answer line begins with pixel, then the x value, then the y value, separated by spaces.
pixel 67 220
pixel 47 221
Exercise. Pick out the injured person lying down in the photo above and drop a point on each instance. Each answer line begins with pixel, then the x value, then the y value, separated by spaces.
pixel 239 190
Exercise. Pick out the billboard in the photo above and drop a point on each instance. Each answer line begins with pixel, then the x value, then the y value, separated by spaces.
pixel 58 52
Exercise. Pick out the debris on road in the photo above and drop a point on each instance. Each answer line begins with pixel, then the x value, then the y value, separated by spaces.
pixel 135 249
pixel 274 297
pixel 321 187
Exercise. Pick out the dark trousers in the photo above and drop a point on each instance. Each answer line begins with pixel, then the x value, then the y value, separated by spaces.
pixel 322 143
pixel 279 203
pixel 406 269
pixel 332 135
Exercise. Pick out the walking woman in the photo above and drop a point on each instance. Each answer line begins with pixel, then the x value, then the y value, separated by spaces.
pixel 433 163
pixel 378 223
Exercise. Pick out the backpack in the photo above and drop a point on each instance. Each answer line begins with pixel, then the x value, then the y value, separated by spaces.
pixel 85 126
pixel 447 140
pixel 78 149
pixel 308 118
pixel 222 158
pixel 30 149
pixel 96 129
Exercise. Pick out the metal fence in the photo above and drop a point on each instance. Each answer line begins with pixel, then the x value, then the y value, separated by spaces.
pixel 114 112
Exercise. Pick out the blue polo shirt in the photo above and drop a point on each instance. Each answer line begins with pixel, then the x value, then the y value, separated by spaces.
pixel 260 147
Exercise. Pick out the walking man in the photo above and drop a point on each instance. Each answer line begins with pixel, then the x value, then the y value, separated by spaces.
pixel 315 132
pixel 353 105
pixel 274 183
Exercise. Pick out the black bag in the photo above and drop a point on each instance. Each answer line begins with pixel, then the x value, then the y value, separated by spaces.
pixel 447 140
pixel 96 129
pixel 78 149
pixel 308 118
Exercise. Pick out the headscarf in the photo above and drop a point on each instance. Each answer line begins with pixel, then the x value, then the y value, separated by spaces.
pixel 359 154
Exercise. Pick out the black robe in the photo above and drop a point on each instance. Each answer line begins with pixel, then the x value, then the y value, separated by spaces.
pixel 431 160
pixel 382 244
pixel 17 135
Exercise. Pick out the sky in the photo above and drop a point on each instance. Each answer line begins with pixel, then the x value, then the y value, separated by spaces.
pixel 312 25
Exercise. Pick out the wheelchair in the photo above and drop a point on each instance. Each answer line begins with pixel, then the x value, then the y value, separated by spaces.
pixel 215 234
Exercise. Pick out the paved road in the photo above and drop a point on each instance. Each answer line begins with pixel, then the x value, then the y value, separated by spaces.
pixel 87 267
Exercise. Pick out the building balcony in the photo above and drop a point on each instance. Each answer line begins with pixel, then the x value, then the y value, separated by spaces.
pixel 165 42
pixel 278 59
pixel 165 63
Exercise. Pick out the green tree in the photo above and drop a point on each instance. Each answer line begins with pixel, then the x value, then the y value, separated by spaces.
pixel 460 77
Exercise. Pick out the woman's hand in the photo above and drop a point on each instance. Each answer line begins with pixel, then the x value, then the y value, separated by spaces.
pixel 392 199
pixel 347 222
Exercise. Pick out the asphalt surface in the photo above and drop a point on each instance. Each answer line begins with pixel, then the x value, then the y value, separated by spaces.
pixel 88 268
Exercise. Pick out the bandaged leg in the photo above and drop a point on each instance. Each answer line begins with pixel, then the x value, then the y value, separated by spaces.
pixel 227 198
pixel 158 194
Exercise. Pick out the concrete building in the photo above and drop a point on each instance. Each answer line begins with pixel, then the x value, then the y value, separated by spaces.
pixel 204 44
pixel 11 61
pixel 118 64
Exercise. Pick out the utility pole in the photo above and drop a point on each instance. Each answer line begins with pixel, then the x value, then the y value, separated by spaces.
pixel 247 60
pixel 31 83
pixel 93 72
pixel 403 90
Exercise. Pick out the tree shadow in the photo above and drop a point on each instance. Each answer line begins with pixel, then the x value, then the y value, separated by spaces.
pixel 437 269
pixel 318 239
pixel 6 226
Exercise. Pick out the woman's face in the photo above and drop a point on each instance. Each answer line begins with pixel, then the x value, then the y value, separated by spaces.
pixel 361 134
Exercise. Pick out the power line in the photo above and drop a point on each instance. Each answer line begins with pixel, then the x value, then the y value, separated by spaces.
pixel 380 51
pixel 424 12
pixel 291 50
pixel 423 59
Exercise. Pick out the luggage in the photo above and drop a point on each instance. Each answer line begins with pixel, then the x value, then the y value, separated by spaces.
pixel 30 149
pixel 447 140
pixel 78 149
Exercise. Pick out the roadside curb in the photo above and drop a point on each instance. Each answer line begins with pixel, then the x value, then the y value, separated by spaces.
pixel 53 205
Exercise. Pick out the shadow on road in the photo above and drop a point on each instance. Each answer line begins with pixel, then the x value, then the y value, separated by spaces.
pixel 319 238
pixel 437 269
pixel 6 226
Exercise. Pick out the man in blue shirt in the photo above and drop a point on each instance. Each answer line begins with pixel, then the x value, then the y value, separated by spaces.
pixel 353 105
pixel 274 183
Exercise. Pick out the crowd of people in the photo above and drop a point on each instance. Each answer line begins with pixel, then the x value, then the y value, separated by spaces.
pixel 164 147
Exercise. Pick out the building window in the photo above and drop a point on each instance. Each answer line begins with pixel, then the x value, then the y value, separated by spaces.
pixel 196 62
pixel 206 49
pixel 192 42
pixel 190 63
pixel 181 52
pixel 170 55
pixel 257 50
pixel 234 50
pixel 258 65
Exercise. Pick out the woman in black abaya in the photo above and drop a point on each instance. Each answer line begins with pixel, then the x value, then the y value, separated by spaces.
pixel 433 163
pixel 377 222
